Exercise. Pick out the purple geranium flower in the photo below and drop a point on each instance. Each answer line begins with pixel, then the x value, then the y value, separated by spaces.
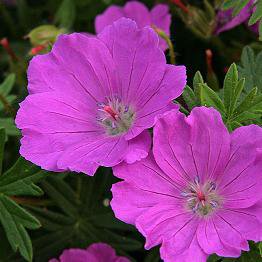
pixel 159 17
pixel 92 99
pixel 98 252
pixel 201 191
pixel 226 21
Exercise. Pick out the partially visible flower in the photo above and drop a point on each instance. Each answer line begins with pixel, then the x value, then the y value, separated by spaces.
pixel 181 5
pixel 158 17
pixel 98 252
pixel 200 193
pixel 92 99
pixel 44 34
pixel 9 2
pixel 226 21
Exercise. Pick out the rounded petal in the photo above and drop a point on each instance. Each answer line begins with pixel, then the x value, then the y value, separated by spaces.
pixel 129 202
pixel 167 221
pixel 171 87
pixel 138 147
pixel 161 18
pixel 103 252
pixel 148 177
pixel 110 15
pixel 240 183
pixel 189 148
pixel 192 253
pixel 228 230
pixel 138 12
pixel 76 255
pixel 52 122
pixel 102 150
pixel 208 237
pixel 139 61
pixel 230 21
pixel 71 68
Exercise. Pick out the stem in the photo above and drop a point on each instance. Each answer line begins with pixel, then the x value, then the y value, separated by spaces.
pixel 8 108
pixel 31 201
pixel 6 45
pixel 163 35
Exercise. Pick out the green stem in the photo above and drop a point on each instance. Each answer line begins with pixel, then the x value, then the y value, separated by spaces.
pixel 7 106
pixel 164 36
pixel 31 201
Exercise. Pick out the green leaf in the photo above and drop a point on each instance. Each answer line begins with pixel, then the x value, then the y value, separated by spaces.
pixel 257 14
pixel 21 178
pixel 237 92
pixel 229 4
pixel 189 97
pixel 18 180
pixel 250 68
pixel 7 85
pixel 210 98
pixel 247 102
pixel 14 220
pixel 65 15
pixel 2 147
pixel 239 6
pixel 230 84
pixel 9 125
pixel 81 216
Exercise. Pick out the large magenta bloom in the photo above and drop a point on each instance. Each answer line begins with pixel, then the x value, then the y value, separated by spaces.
pixel 226 20
pixel 201 191
pixel 98 252
pixel 92 99
pixel 159 17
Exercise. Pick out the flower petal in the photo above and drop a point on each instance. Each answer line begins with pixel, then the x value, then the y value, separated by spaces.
pixel 111 14
pixel 101 150
pixel 240 183
pixel 161 18
pixel 171 87
pixel 147 176
pixel 139 61
pixel 138 12
pixel 138 147
pixel 188 147
pixel 129 202
pixel 71 68
pixel 192 253
pixel 165 221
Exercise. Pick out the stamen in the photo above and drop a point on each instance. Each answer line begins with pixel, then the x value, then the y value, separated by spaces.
pixel 116 117
pixel 202 199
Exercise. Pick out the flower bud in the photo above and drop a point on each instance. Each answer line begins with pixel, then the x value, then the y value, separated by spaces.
pixel 44 34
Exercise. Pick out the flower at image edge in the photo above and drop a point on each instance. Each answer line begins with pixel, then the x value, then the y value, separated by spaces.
pixel 98 252
pixel 199 193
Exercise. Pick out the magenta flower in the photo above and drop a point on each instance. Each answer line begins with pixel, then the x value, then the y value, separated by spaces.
pixel 159 17
pixel 226 21
pixel 92 99
pixel 201 191
pixel 98 252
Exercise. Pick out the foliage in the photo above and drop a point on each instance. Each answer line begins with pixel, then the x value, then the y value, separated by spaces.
pixel 18 181
pixel 236 108
pixel 238 5
pixel 250 68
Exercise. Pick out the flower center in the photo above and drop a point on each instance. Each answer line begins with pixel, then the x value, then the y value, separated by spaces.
pixel 115 116
pixel 202 198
